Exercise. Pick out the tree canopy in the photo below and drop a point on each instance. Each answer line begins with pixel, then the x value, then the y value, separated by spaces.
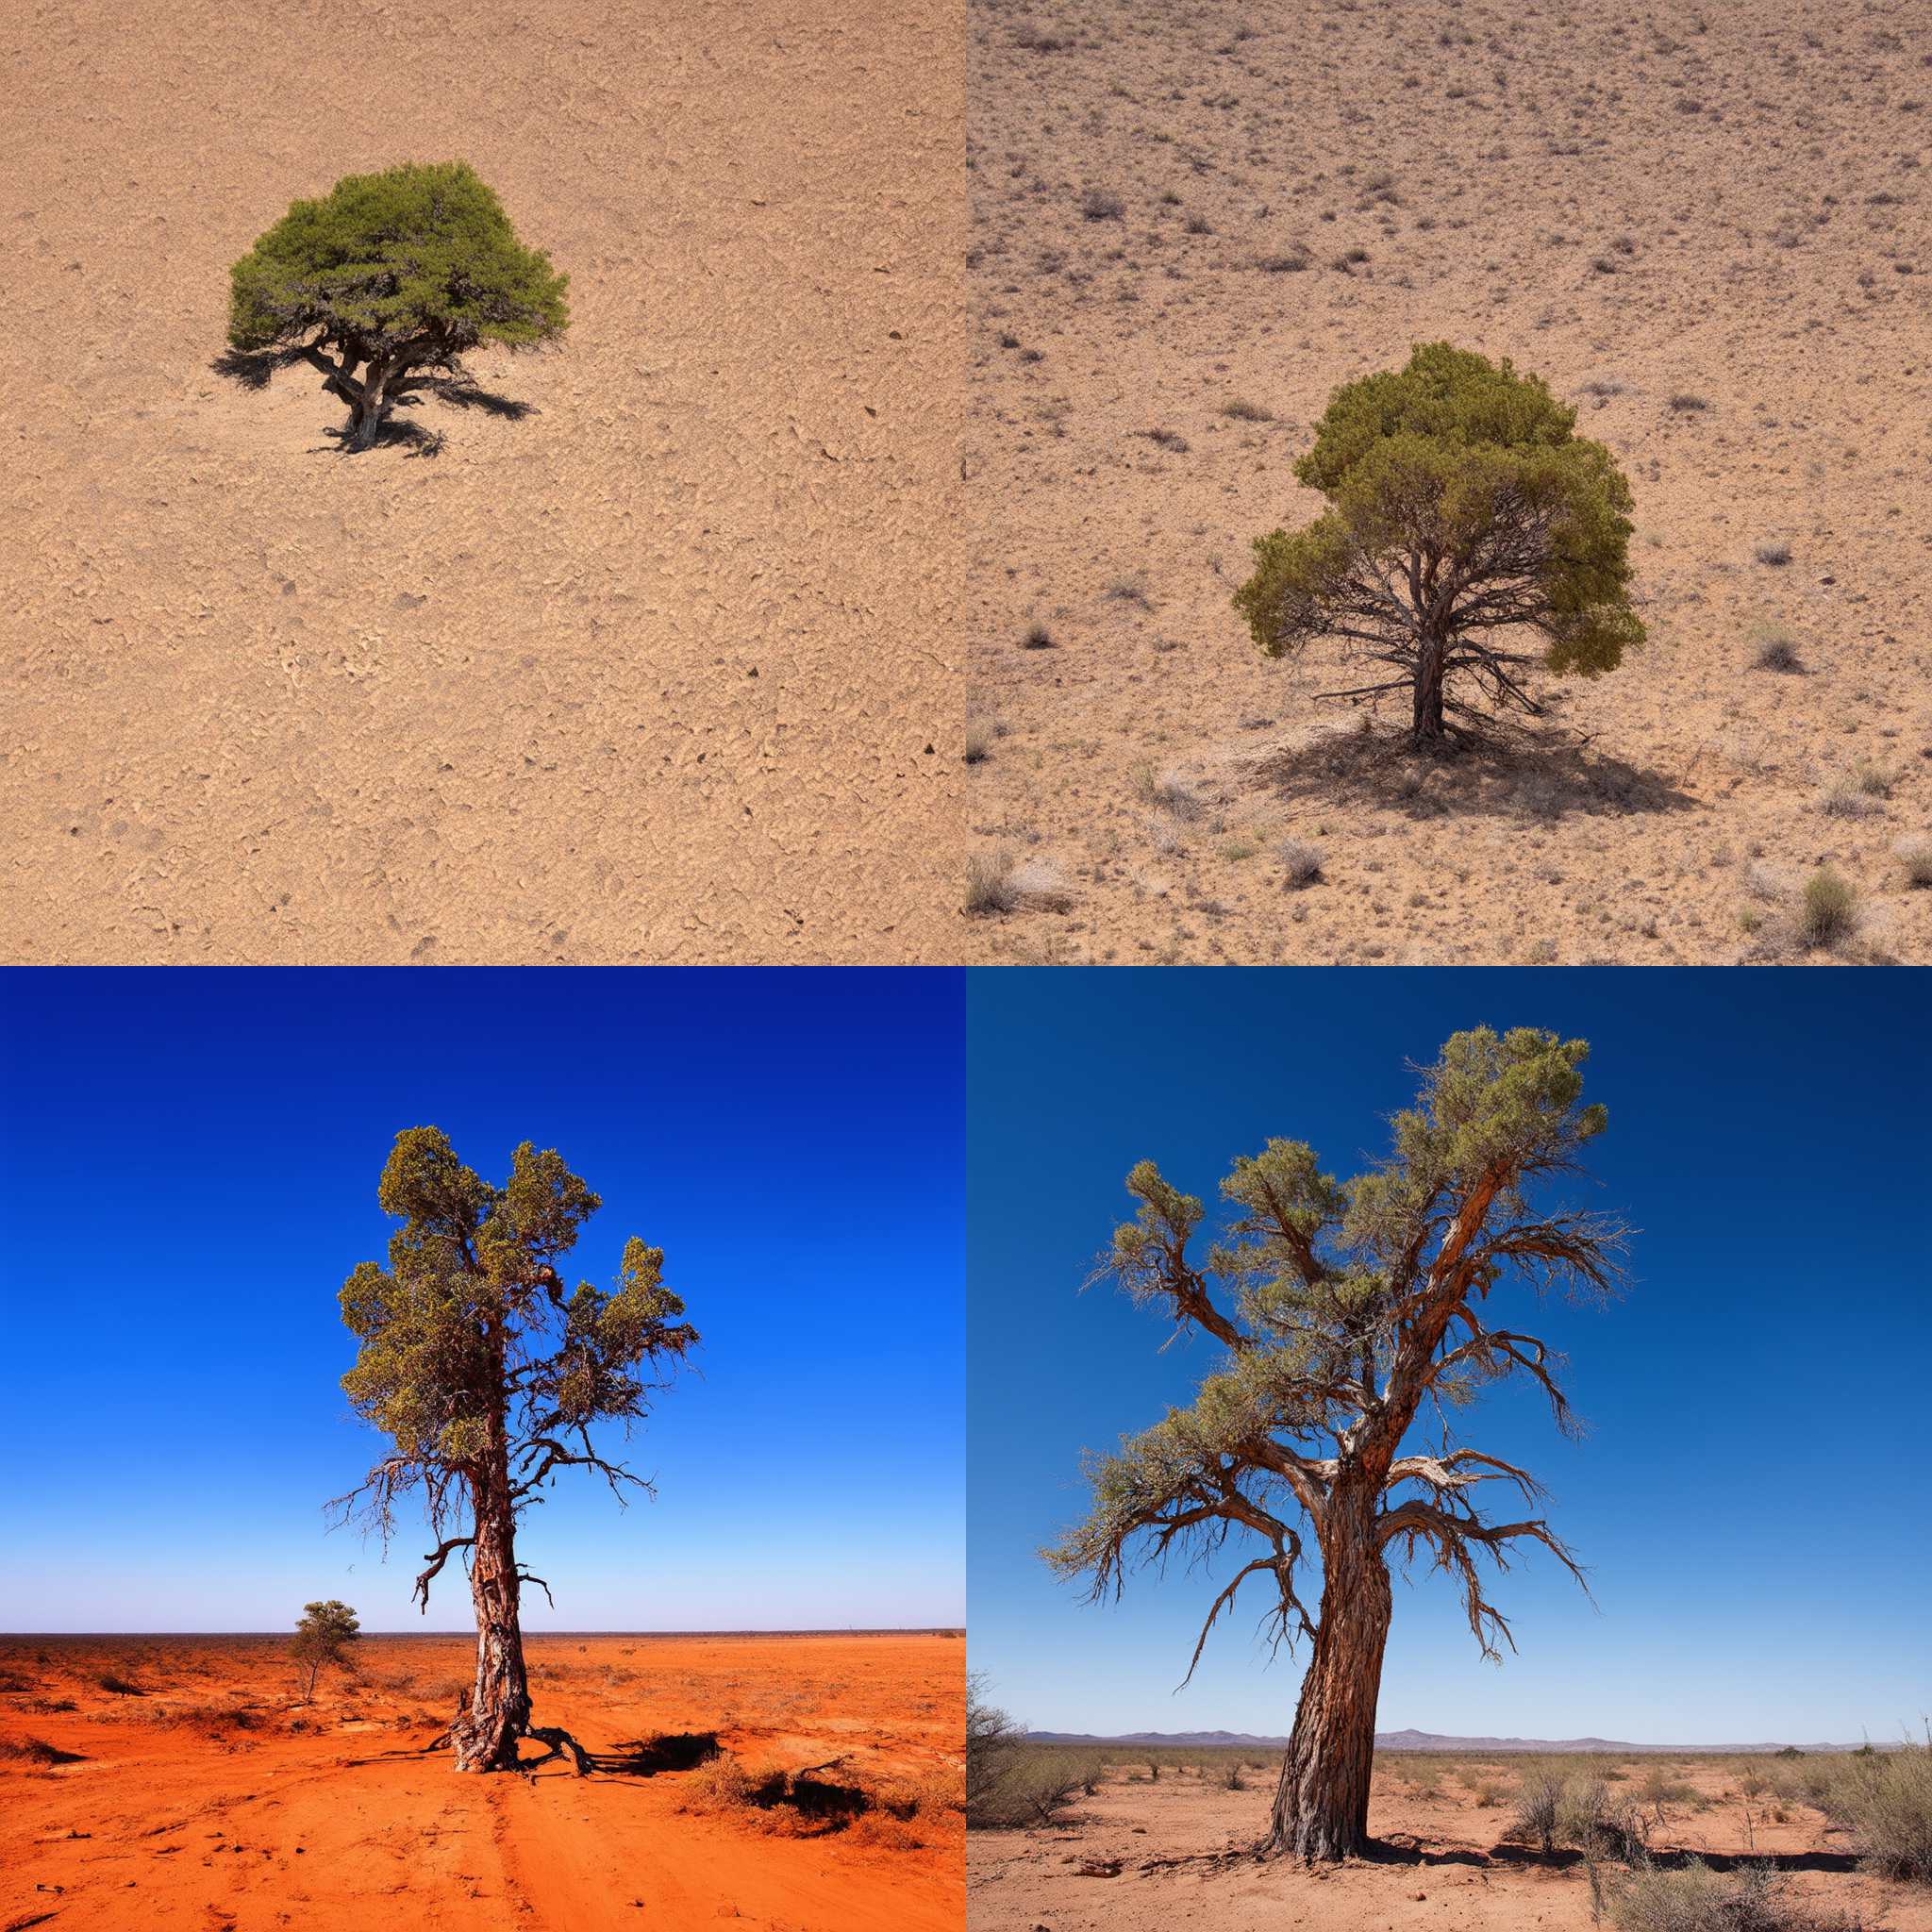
pixel 1471 534
pixel 471 1353
pixel 1348 1311
pixel 392 274
pixel 322 1638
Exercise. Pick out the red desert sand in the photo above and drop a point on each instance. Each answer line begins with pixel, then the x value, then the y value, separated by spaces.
pixel 180 1781
pixel 1157 1856
pixel 658 672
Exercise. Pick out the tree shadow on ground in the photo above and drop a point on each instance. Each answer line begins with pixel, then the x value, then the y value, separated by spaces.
pixel 255 369
pixel 1666 1858
pixel 1539 773
pixel 647 1757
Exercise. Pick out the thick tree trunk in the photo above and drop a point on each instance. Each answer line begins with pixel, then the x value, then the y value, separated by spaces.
pixel 484 1735
pixel 367 411
pixel 1428 726
pixel 1321 1804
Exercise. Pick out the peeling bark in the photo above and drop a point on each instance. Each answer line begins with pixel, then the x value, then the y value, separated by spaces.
pixel 1322 1802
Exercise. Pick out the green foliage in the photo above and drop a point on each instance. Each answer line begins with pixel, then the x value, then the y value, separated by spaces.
pixel 1461 504
pixel 322 1636
pixel 1829 914
pixel 421 256
pixel 468 1346
pixel 1343 1305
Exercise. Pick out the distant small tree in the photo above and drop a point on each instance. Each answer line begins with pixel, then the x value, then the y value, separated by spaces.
pixel 1346 1310
pixel 391 274
pixel 488 1376
pixel 322 1638
pixel 1470 535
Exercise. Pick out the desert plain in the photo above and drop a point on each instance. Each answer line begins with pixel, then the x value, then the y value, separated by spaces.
pixel 652 660
pixel 1707 227
pixel 184 1782
pixel 1151 1849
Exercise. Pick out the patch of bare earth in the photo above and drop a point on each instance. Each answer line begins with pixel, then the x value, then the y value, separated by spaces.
pixel 183 1782
pixel 1151 1856
pixel 662 670
pixel 1711 229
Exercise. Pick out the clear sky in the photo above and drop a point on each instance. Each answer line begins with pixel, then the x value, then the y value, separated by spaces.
pixel 190 1162
pixel 1751 1501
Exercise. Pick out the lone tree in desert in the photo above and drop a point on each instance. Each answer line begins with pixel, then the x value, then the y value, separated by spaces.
pixel 487 1377
pixel 1347 1311
pixel 322 1638
pixel 1470 535
pixel 394 275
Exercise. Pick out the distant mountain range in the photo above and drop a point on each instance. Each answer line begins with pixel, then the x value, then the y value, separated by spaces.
pixel 1427 1740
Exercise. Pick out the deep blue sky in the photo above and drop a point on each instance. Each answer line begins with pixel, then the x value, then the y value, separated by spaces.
pixel 190 1162
pixel 1750 1500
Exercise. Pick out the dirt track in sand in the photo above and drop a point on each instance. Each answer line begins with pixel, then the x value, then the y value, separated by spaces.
pixel 1708 227
pixel 658 671
pixel 211 1797
pixel 1462 1878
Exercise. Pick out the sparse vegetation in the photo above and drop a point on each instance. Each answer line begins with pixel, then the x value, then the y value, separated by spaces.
pixel 1774 648
pixel 1301 864
pixel 1775 552
pixel 1829 914
pixel 1915 854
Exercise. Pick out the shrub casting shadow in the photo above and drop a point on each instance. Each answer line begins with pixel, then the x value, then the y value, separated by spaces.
pixel 1510 772
pixel 647 1757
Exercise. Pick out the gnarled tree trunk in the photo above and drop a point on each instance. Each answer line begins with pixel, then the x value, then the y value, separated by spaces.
pixel 1427 726
pixel 484 1735
pixel 1322 1803
pixel 368 407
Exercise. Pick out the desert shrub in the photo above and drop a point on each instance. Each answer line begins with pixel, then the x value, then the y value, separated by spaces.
pixel 1829 914
pixel 36 1751
pixel 1169 792
pixel 1885 1800
pixel 1697 1899
pixel 1231 1777
pixel 977 747
pixel 1241 410
pixel 1098 205
pixel 723 1783
pixel 1658 1787
pixel 1038 638
pixel 119 1685
pixel 992 1742
pixel 1539 1796
pixel 1774 648
pixel 1301 864
pixel 990 886
pixel 1775 554
pixel 1915 854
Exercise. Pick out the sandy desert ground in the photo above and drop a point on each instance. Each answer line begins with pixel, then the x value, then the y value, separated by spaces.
pixel 1707 225
pixel 659 672
pixel 1450 1871
pixel 209 1795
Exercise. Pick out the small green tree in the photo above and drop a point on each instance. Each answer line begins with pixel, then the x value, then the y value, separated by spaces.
pixel 488 1378
pixel 391 274
pixel 322 1638
pixel 1348 1310
pixel 1470 534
